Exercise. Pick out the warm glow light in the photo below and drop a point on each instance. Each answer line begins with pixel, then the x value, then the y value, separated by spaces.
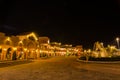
pixel 25 49
pixel 32 34
pixel 48 41
pixel 14 48
pixel 85 51
pixel 37 50
pixel 8 39
pixel 89 50
pixel 20 42
pixel 40 51
pixel 112 47
pixel 4 49
pixel 32 51
pixel 117 39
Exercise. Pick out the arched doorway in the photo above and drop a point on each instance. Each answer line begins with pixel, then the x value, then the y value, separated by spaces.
pixel 20 54
pixel 0 53
pixel 8 41
pixel 20 44
pixel 14 56
pixel 31 47
pixel 8 53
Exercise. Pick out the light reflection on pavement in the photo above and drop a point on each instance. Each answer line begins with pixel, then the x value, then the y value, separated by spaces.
pixel 61 68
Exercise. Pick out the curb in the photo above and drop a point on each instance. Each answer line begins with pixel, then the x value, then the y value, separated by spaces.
pixel 102 62
pixel 12 61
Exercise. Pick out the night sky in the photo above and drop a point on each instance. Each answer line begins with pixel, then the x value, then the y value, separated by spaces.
pixel 77 22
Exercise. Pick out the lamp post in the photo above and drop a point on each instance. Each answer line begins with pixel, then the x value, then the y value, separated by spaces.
pixel 117 39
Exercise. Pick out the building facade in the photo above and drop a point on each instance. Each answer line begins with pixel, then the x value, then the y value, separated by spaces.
pixel 29 46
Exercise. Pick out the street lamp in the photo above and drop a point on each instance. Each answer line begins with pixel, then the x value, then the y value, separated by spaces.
pixel 117 39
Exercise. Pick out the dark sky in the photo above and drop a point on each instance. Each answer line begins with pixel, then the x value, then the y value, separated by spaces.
pixel 77 22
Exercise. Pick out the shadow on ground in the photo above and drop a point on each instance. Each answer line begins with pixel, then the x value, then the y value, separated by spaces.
pixel 13 63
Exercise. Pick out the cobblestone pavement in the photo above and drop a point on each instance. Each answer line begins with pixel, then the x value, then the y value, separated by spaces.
pixel 61 68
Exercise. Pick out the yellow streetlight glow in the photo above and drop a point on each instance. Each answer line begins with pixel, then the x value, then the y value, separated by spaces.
pixel 117 39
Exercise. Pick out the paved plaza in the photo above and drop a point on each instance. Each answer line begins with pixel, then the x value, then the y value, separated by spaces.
pixel 59 68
